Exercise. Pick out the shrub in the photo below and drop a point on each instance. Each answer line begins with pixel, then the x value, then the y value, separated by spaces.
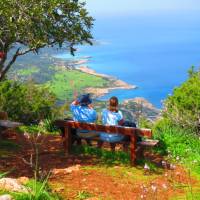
pixel 181 144
pixel 183 107
pixel 26 102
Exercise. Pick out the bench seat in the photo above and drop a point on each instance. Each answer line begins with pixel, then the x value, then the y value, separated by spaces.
pixel 134 133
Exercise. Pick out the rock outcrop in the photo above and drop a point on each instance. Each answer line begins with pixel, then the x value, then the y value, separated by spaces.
pixel 12 185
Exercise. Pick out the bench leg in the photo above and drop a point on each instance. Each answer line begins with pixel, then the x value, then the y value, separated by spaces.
pixel 112 146
pixel 67 140
pixel 133 146
pixel 99 144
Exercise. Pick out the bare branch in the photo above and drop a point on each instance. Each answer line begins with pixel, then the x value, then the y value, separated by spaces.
pixel 6 68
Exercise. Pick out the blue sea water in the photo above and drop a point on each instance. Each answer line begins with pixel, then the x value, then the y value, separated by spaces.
pixel 151 51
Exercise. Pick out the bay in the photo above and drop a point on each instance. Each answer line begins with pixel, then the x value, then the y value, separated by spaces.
pixel 151 51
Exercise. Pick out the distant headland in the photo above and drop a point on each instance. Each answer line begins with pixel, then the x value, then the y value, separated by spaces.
pixel 114 83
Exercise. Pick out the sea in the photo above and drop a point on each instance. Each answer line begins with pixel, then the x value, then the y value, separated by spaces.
pixel 153 51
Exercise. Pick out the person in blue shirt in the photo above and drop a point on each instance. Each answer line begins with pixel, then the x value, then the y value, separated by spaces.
pixel 112 116
pixel 83 111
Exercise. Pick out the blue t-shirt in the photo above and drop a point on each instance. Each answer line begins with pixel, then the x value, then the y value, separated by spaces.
pixel 111 118
pixel 83 113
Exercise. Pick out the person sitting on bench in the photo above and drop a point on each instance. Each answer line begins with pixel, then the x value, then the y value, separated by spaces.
pixel 83 111
pixel 112 116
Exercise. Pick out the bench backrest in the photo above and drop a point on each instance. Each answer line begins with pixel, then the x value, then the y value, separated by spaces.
pixel 105 128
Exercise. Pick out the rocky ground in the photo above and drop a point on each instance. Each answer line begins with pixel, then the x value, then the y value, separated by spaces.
pixel 87 177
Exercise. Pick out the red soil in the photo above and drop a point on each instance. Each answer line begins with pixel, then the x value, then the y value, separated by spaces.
pixel 98 183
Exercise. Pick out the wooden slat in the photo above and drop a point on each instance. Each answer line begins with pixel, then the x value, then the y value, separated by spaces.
pixel 9 124
pixel 104 128
pixel 67 140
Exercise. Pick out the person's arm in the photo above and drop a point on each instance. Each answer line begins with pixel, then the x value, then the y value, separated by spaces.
pixel 73 105
pixel 90 106
pixel 75 102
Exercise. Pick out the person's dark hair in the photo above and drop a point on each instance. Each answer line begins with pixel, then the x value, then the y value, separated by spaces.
pixel 113 104
pixel 84 100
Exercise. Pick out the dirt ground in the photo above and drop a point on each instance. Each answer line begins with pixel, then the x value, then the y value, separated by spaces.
pixel 85 177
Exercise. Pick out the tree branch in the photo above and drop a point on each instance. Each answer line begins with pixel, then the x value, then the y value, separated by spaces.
pixel 6 68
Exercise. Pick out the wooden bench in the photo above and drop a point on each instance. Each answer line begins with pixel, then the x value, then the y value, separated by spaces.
pixel 6 124
pixel 67 125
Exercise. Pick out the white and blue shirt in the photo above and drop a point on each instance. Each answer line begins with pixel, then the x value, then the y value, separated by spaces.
pixel 111 118
pixel 83 113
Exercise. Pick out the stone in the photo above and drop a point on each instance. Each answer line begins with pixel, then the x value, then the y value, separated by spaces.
pixel 10 184
pixel 67 170
pixel 6 197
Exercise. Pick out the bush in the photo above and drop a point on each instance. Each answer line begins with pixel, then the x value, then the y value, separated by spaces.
pixel 26 102
pixel 180 144
pixel 183 107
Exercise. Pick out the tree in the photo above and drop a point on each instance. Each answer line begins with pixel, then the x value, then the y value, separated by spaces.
pixel 27 103
pixel 28 25
pixel 183 107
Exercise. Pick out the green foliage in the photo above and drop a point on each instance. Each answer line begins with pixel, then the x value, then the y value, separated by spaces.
pixel 32 129
pixel 145 123
pixel 25 102
pixel 66 84
pixel 183 107
pixel 107 157
pixel 180 144
pixel 8 145
pixel 48 125
pixel 3 174
pixel 83 195
pixel 44 127
pixel 30 25
pixel 28 72
pixel 37 191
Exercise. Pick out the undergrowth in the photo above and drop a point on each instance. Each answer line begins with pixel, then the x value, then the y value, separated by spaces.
pixel 106 157
pixel 180 145
pixel 36 191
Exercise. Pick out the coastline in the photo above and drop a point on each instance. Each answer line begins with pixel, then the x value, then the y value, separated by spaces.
pixel 147 108
pixel 114 82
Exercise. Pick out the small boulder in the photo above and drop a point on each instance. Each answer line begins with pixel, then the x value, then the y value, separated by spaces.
pixel 67 170
pixel 6 197
pixel 10 184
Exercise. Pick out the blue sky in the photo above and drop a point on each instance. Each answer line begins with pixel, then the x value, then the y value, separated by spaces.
pixel 121 7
